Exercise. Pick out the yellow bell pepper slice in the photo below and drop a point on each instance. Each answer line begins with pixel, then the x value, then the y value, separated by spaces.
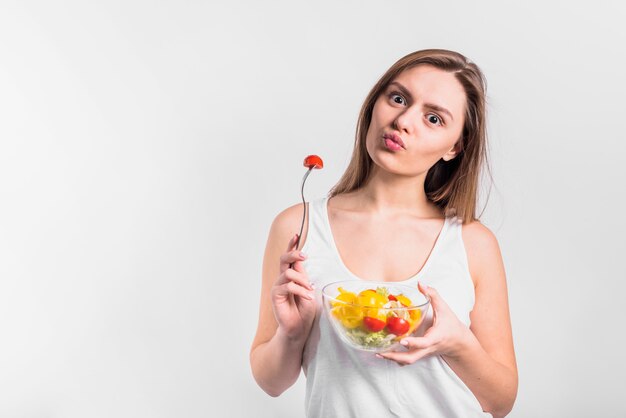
pixel 404 300
pixel 349 316
pixel 344 296
pixel 371 299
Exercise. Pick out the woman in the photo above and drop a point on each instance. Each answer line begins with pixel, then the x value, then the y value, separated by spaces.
pixel 406 204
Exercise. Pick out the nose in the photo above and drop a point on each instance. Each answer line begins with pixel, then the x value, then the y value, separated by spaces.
pixel 407 120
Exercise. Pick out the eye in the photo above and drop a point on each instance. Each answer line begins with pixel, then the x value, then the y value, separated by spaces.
pixel 434 119
pixel 397 98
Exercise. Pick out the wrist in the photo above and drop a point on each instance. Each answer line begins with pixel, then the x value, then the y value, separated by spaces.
pixel 291 341
pixel 466 343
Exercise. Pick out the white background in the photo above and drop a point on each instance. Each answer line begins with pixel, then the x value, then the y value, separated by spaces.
pixel 147 146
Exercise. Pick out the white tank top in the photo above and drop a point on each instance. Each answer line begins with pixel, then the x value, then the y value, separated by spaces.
pixel 345 382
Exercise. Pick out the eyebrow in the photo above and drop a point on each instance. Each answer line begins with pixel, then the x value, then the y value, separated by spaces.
pixel 433 106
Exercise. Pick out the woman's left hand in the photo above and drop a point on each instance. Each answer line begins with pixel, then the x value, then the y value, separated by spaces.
pixel 448 336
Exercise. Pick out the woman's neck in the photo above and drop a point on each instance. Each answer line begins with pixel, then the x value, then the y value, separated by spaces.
pixel 390 194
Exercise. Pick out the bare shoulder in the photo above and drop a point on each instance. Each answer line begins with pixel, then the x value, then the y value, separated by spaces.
pixel 483 250
pixel 479 238
pixel 287 223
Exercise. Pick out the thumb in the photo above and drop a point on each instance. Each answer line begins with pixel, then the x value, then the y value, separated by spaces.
pixel 293 242
pixel 430 292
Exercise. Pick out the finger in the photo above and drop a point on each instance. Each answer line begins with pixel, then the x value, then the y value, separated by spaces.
pixel 404 357
pixel 418 343
pixel 407 357
pixel 435 299
pixel 301 279
pixel 299 264
pixel 291 288
pixel 292 275
pixel 292 242
pixel 290 257
pixel 422 288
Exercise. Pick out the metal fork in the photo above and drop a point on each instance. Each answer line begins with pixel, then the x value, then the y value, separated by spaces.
pixel 311 161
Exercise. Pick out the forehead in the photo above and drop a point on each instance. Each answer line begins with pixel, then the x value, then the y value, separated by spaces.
pixel 433 85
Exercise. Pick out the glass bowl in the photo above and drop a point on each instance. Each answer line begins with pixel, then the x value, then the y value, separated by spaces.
pixel 373 315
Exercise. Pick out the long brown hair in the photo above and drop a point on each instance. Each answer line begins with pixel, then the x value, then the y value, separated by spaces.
pixel 451 185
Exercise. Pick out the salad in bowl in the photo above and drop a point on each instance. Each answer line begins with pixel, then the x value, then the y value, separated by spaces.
pixel 373 316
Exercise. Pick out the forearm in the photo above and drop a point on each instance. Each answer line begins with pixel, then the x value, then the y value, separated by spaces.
pixel 493 384
pixel 276 364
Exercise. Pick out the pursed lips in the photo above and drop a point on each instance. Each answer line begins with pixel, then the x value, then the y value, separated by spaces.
pixel 395 138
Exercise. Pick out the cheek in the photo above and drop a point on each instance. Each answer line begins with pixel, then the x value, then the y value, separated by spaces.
pixel 445 142
pixel 370 145
pixel 427 153
pixel 371 136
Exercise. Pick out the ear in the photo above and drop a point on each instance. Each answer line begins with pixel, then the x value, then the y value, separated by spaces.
pixel 454 151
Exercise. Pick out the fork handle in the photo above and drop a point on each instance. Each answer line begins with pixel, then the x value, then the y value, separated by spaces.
pixel 304 209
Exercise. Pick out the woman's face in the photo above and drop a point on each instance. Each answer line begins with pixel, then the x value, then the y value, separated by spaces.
pixel 423 106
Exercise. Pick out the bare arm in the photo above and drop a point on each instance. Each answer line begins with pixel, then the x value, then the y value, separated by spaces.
pixel 287 309
pixel 487 363
pixel 482 355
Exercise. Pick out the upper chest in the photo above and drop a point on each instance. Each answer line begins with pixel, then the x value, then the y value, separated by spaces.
pixel 390 249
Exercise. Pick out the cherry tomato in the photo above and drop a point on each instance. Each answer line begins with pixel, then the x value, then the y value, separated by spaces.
pixel 397 326
pixel 313 161
pixel 392 297
pixel 373 324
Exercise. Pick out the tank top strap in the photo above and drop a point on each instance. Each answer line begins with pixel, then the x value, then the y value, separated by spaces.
pixel 452 232
pixel 449 271
pixel 452 242
pixel 318 238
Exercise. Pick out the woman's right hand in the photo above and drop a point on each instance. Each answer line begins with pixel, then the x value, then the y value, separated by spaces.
pixel 293 298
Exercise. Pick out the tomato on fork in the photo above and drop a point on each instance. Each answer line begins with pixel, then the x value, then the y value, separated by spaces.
pixel 313 161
